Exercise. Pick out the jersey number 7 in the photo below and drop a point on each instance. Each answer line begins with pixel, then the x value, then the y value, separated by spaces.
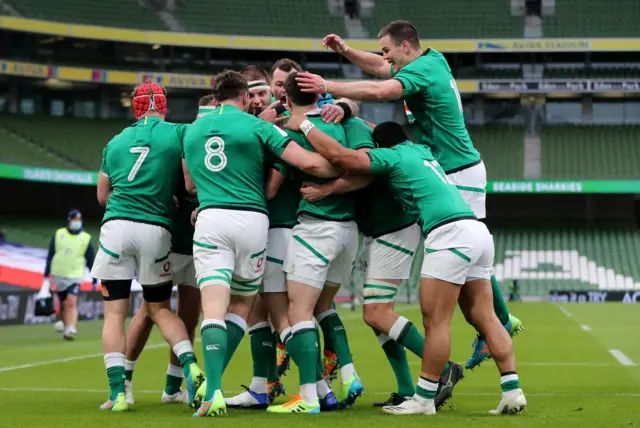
pixel 143 152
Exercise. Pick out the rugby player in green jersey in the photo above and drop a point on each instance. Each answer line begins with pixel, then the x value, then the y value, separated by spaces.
pixel 423 78
pixel 391 238
pixel 183 277
pixel 137 179
pixel 318 260
pixel 224 161
pixel 458 256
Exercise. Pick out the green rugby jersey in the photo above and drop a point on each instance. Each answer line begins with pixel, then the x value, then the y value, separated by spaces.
pixel 143 163
pixel 333 207
pixel 283 207
pixel 420 184
pixel 431 94
pixel 225 154
pixel 377 211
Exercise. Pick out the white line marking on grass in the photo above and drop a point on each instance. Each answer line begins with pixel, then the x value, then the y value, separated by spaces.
pixel 622 359
pixel 585 327
pixel 565 311
pixel 66 360
pixel 469 394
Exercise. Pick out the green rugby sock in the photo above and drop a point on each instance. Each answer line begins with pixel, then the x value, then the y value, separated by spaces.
pixel 397 357
pixel 236 327
pixel 303 348
pixel 214 348
pixel 499 304
pixel 263 345
pixel 335 334
pixel 174 380
pixel 114 362
pixel 404 332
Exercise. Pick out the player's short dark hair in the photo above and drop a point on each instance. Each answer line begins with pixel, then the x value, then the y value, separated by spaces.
pixel 207 100
pixel 295 94
pixel 388 134
pixel 229 85
pixel 253 72
pixel 286 65
pixel 399 31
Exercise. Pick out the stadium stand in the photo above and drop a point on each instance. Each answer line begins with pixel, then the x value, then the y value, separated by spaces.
pixel 290 18
pixel 593 18
pixel 81 140
pixel 293 18
pixel 450 19
pixel 590 152
pixel 14 151
pixel 568 258
pixel 112 13
pixel 501 148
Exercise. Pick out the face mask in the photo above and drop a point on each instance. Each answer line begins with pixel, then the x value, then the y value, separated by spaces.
pixel 75 225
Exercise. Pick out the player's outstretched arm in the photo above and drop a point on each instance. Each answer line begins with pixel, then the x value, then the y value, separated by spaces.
pixel 365 90
pixel 104 189
pixel 188 180
pixel 349 182
pixel 274 181
pixel 330 149
pixel 367 61
pixel 309 162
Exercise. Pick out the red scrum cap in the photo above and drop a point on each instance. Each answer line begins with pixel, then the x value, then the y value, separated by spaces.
pixel 149 97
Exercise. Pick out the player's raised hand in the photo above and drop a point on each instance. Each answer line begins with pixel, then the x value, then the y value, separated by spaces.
pixel 331 113
pixel 271 115
pixel 310 82
pixel 312 192
pixel 335 43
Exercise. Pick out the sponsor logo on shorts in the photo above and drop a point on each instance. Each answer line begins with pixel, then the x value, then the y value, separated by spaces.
pixel 260 264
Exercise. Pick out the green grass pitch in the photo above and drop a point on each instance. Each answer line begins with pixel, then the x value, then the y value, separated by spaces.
pixel 569 375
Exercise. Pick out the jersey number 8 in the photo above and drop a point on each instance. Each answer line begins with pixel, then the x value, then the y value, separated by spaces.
pixel 217 152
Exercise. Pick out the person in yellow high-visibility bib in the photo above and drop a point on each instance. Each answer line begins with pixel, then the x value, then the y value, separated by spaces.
pixel 70 253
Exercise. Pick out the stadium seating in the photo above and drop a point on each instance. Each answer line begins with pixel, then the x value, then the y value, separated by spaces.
pixel 590 152
pixel 14 151
pixel 568 258
pixel 112 13
pixel 293 18
pixel 593 18
pixel 81 140
pixel 449 19
pixel 501 148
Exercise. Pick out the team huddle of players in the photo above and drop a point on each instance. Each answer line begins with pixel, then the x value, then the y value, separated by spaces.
pixel 255 209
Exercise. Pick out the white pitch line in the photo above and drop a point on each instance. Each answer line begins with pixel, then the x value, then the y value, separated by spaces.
pixel 622 359
pixel 585 327
pixel 469 394
pixel 565 311
pixel 66 360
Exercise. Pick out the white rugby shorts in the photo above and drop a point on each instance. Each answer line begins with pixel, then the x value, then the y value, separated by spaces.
pixel 387 257
pixel 472 184
pixel 321 251
pixel 184 271
pixel 229 249
pixel 127 247
pixel 274 280
pixel 458 252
